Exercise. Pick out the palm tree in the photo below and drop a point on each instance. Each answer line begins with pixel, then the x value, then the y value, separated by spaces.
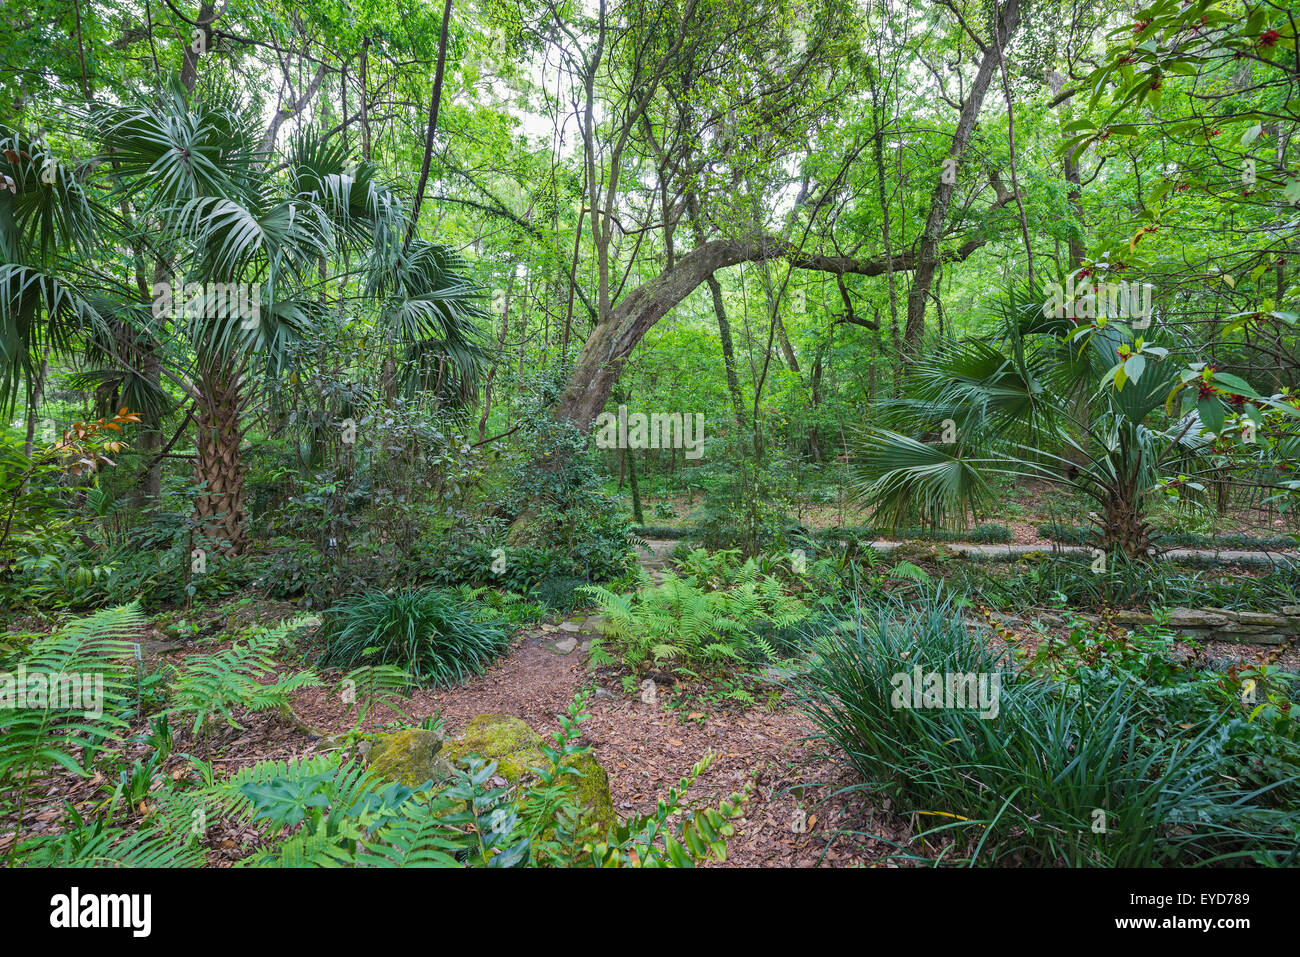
pixel 230 219
pixel 1090 407
pixel 242 245
pixel 48 226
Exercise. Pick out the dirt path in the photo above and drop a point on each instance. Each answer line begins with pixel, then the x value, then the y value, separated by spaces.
pixel 648 748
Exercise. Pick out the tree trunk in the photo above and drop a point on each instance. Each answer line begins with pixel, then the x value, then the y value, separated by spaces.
pixel 623 326
pixel 38 394
pixel 435 101
pixel 190 60
pixel 1074 194
pixel 149 491
pixel 637 515
pixel 728 350
pixel 928 254
pixel 724 324
pixel 1124 529
pixel 219 505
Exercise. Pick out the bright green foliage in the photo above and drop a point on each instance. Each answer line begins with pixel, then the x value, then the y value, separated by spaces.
pixel 87 673
pixel 326 811
pixel 371 685
pixel 690 625
pixel 1078 765
pixel 433 633
pixel 216 685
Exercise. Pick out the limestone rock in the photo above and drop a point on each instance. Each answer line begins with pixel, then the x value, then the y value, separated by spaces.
pixel 1195 618
pixel 1261 618
pixel 517 749
pixel 411 756
pixel 1129 617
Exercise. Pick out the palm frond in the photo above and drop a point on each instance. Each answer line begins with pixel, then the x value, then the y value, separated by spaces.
pixel 905 479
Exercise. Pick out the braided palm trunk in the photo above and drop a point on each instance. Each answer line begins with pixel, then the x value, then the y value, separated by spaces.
pixel 219 506
pixel 1123 525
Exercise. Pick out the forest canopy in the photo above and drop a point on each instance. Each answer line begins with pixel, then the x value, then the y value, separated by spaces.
pixel 358 349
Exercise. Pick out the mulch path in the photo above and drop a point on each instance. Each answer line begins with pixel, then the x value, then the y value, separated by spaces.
pixel 796 815
pixel 799 813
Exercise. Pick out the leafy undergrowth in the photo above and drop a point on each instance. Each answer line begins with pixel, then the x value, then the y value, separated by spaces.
pixel 433 633
pixel 1100 750
pixel 1097 746
pixel 320 810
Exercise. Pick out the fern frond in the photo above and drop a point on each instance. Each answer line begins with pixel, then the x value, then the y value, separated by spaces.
pixel 112 847
pixel 86 676
pixel 419 838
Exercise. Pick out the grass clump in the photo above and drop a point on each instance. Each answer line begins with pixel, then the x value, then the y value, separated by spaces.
pixel 435 634
pixel 1080 767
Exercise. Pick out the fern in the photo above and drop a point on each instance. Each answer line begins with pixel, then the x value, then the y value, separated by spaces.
pixel 413 840
pixel 99 846
pixel 95 653
pixel 229 797
pixel 372 685
pixel 679 621
pixel 218 684
pixel 303 849
pixel 337 807
pixel 599 655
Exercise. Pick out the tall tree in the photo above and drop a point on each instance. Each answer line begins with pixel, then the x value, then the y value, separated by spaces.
pixel 1006 19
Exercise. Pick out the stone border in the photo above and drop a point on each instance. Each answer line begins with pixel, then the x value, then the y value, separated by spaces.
pixel 1203 624
pixel 1005 553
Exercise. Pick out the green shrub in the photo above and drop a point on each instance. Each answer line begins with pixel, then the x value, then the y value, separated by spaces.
pixel 660 531
pixel 433 633
pixel 328 811
pixel 985 532
pixel 296 570
pixel 707 619
pixel 1083 535
pixel 1068 534
pixel 460 562
pixel 1064 771
pixel 236 678
pixel 515 608
pixel 84 667
pixel 560 592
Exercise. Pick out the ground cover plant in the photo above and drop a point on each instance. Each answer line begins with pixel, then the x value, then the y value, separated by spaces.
pixel 433 634
pixel 1076 766
pixel 796 433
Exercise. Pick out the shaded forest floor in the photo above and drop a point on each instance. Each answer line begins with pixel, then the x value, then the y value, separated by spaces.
pixel 1022 508
pixel 645 748
pixel 803 810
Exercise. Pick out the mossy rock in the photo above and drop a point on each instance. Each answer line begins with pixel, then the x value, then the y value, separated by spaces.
pixel 412 756
pixel 517 749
